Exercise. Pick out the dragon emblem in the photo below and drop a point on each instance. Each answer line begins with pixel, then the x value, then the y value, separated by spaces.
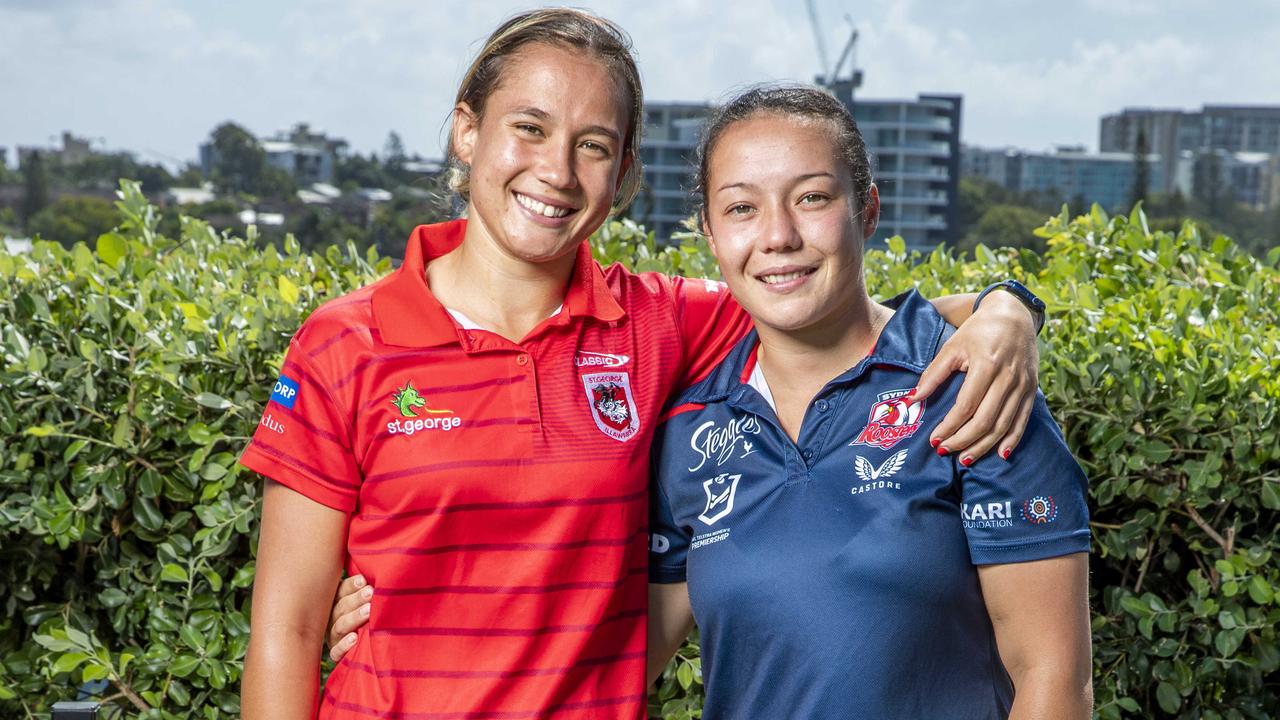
pixel 407 398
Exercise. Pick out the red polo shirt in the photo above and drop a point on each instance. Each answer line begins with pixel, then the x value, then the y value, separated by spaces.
pixel 497 490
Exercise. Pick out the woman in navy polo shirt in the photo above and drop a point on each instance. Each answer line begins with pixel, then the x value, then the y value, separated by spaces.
pixel 837 563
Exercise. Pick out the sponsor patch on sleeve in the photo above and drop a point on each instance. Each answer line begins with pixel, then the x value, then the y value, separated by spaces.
pixel 285 392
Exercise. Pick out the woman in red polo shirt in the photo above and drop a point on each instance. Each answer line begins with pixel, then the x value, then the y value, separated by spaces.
pixel 471 433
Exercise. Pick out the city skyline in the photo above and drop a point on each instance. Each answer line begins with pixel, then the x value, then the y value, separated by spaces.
pixel 155 77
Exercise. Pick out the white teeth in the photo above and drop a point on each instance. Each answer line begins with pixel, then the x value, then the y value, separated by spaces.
pixel 784 277
pixel 541 208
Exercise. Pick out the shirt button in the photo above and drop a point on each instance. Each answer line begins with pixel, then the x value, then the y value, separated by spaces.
pixel 522 359
pixel 808 454
pixel 821 405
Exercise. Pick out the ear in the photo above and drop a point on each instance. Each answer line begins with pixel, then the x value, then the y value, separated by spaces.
pixel 462 137
pixel 871 213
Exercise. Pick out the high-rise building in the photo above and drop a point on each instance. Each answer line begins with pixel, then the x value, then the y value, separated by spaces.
pixel 1071 174
pixel 915 159
pixel 671 135
pixel 914 147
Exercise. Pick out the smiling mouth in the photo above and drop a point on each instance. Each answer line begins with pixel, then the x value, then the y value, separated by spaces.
pixel 776 278
pixel 538 207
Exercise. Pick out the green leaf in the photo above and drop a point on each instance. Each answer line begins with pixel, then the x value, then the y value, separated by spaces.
pixel 184 664
pixel 191 637
pixel 1270 495
pixel 1260 591
pixel 288 291
pixel 41 430
pixel 172 572
pixel 69 661
pixel 1168 697
pixel 111 247
pixel 112 597
pixel 210 400
pixel 94 672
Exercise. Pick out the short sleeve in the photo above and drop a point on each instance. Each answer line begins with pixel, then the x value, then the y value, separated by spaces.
pixel 303 441
pixel 1031 507
pixel 668 542
pixel 710 323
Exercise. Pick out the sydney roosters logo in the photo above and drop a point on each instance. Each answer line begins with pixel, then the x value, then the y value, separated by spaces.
pixel 893 419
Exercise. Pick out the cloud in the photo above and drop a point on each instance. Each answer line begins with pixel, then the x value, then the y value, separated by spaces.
pixel 160 74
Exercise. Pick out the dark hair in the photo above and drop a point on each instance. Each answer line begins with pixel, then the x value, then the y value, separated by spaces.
pixel 789 100
pixel 570 28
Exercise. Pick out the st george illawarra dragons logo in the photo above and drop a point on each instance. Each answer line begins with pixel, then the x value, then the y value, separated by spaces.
pixel 612 405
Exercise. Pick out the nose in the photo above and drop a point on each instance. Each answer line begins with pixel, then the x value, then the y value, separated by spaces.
pixel 780 233
pixel 555 165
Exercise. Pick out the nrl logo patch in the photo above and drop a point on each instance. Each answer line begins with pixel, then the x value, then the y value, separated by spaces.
pixel 891 420
pixel 720 490
pixel 612 405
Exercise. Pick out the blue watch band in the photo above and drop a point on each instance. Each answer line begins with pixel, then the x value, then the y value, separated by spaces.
pixel 1023 294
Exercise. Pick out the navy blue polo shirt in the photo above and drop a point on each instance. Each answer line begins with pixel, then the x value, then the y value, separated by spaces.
pixel 834 577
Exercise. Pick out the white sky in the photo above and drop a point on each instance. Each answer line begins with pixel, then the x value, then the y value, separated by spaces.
pixel 155 76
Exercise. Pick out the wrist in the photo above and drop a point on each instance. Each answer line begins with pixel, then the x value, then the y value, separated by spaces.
pixel 1013 293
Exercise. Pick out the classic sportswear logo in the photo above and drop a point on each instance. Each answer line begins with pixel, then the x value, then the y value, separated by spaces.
pixel 712 441
pixel 877 478
pixel 893 419
pixel 720 490
pixel 409 402
pixel 595 359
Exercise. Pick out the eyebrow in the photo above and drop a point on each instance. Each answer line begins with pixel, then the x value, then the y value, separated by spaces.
pixel 544 116
pixel 750 186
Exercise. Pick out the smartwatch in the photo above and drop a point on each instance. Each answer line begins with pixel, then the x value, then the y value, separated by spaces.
pixel 1024 295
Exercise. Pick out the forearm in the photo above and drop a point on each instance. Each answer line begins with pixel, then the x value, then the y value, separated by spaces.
pixel 281 674
pixel 1049 692
pixel 957 309
pixel 670 620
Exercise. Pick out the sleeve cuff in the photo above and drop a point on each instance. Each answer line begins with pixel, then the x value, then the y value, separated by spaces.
pixel 296 479
pixel 665 575
pixel 1023 551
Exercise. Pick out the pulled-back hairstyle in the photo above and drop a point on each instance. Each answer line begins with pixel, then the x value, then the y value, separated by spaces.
pixel 789 100
pixel 564 27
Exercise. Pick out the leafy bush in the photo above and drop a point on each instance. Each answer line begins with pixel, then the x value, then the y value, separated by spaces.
pixel 133 375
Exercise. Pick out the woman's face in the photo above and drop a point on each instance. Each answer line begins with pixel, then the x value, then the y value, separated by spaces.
pixel 782 219
pixel 546 156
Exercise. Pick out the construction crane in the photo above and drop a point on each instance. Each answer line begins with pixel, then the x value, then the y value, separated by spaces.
pixel 835 77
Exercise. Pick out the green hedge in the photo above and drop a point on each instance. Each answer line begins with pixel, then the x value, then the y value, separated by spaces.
pixel 133 373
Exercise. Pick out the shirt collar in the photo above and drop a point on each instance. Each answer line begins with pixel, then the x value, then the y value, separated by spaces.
pixel 909 340
pixel 409 315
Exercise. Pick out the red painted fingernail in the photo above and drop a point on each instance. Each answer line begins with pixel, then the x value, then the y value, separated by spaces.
pixel 935 442
pixel 943 451
pixel 966 461
pixel 1005 453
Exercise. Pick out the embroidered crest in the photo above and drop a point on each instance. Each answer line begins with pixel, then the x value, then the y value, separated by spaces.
pixel 893 419
pixel 720 490
pixel 612 405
